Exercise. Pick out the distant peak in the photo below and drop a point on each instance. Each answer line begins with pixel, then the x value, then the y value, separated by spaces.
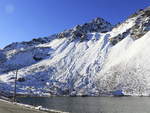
pixel 98 20
pixel 95 25
pixel 80 31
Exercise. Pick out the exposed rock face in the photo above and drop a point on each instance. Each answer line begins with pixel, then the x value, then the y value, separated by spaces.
pixel 90 59
pixel 26 45
pixel 2 57
pixel 80 31
pixel 141 27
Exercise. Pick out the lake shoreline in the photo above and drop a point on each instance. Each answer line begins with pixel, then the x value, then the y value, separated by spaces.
pixel 31 107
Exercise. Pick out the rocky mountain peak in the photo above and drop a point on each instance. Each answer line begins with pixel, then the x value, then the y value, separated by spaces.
pixel 98 20
pixel 96 25
pixel 80 31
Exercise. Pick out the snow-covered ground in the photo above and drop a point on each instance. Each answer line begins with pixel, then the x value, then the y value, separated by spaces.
pixel 91 59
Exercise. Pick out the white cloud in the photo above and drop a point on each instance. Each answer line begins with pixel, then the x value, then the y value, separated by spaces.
pixel 9 8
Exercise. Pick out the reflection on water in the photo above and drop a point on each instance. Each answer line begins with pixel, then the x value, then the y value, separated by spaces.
pixel 92 104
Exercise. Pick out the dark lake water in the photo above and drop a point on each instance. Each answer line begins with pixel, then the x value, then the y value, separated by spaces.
pixel 92 104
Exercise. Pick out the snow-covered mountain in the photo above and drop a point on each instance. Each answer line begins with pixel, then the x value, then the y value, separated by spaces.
pixel 95 58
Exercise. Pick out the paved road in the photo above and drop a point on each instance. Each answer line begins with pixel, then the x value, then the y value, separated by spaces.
pixel 11 108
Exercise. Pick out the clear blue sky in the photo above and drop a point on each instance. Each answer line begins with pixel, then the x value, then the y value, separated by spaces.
pixel 22 20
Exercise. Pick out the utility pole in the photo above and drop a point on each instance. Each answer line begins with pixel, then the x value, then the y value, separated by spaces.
pixel 14 96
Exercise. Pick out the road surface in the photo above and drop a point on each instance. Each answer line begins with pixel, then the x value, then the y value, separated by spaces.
pixel 11 108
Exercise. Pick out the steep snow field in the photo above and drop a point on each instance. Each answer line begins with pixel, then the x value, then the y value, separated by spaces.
pixel 127 67
pixel 91 59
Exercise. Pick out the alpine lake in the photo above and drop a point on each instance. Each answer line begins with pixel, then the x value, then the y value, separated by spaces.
pixel 91 104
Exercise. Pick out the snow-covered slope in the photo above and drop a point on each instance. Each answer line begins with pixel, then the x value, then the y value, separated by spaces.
pixel 91 59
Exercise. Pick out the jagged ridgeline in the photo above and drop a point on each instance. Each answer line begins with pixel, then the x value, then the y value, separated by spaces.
pixel 78 32
pixel 92 59
pixel 142 26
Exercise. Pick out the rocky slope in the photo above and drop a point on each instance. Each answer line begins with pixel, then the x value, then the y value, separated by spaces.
pixel 95 58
